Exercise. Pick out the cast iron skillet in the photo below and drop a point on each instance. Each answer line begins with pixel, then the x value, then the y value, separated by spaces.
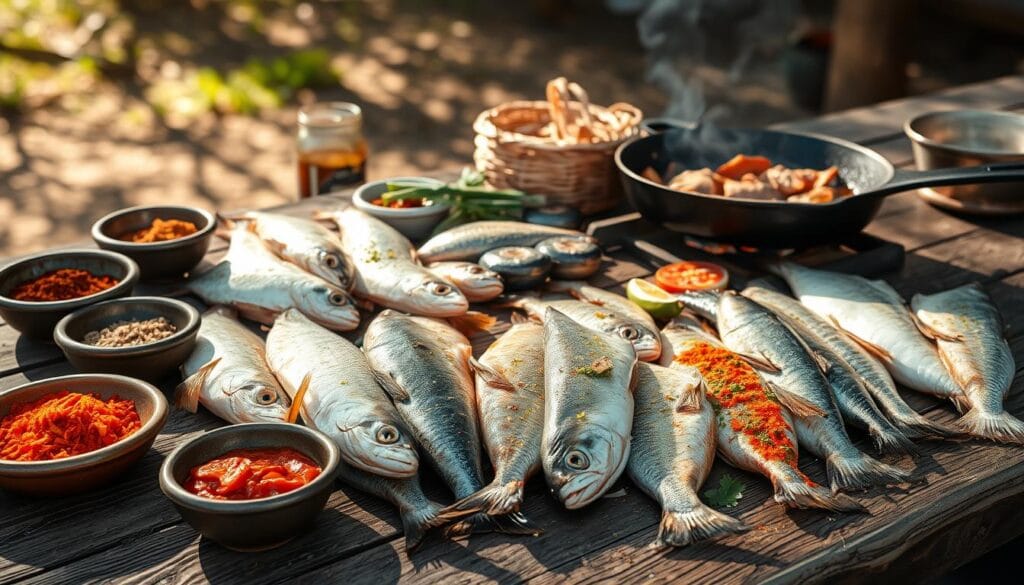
pixel 772 224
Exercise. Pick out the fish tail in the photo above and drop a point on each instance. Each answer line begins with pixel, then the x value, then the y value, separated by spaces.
pixel 798 493
pixel 917 426
pixel 860 471
pixel 514 523
pixel 695 525
pixel 1001 427
pixel 702 303
pixel 494 500
pixel 417 521
pixel 890 439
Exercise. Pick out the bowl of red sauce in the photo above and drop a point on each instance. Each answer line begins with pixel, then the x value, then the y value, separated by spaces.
pixel 76 433
pixel 415 219
pixel 166 241
pixel 252 487
pixel 39 290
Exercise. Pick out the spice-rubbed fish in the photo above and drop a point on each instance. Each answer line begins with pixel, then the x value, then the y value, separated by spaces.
pixel 869 371
pixel 874 315
pixel 671 452
pixel 853 399
pixel 475 282
pixel 419 514
pixel 228 374
pixel 510 400
pixel 260 285
pixel 468 241
pixel 386 269
pixel 588 409
pixel 754 431
pixel 343 399
pixel 303 242
pixel 423 364
pixel 972 347
pixel 795 376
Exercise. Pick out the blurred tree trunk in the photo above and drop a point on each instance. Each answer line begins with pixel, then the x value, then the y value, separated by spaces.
pixel 869 58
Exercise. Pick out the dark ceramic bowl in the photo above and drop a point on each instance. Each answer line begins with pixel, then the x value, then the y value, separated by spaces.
pixel 150 361
pixel 80 473
pixel 37 319
pixel 251 525
pixel 170 259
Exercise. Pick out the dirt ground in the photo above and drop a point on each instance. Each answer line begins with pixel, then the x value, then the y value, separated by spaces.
pixel 421 70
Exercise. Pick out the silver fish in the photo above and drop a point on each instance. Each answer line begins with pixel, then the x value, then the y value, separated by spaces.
pixel 671 452
pixel 303 242
pixel 588 409
pixel 228 374
pixel 261 285
pixel 853 399
pixel 972 347
pixel 751 330
pixel 423 364
pixel 510 400
pixel 874 315
pixel 469 241
pixel 343 398
pixel 418 513
pixel 869 371
pixel 476 283
pixel 387 272
pixel 736 444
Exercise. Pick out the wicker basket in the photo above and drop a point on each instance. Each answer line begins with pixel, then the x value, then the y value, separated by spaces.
pixel 512 153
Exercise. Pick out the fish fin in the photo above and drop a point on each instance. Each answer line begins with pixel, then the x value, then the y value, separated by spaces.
pixel 472 322
pixel 695 525
pixel 275 246
pixel 823 364
pixel 861 472
pixel 798 493
pixel 707 327
pixel 300 393
pixel 795 404
pixel 390 386
pixel 496 499
pixel 256 312
pixel 892 440
pixel 514 523
pixel 762 362
pixel 917 426
pixel 931 332
pixel 416 522
pixel 225 224
pixel 1001 427
pixel 691 399
pixel 518 318
pixel 634 375
pixel 186 394
pixel 960 402
pixel 492 377
pixel 877 351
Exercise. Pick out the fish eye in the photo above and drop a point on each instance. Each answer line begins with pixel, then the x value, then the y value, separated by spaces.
pixel 629 333
pixel 337 299
pixel 440 289
pixel 476 269
pixel 577 459
pixel 332 260
pixel 387 435
pixel 266 397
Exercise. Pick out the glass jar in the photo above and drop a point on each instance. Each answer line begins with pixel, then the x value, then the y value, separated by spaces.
pixel 332 150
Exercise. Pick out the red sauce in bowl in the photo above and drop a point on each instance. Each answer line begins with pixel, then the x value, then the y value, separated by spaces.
pixel 251 474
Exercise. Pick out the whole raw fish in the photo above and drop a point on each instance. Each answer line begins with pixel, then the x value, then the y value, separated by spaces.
pixel 228 373
pixel 588 409
pixel 973 349
pixel 260 285
pixel 343 399
pixel 468 241
pixel 303 242
pixel 475 282
pixel 386 269
pixel 746 413
pixel 510 401
pixel 875 315
pixel 794 375
pixel 423 364
pixel 868 370
pixel 853 399
pixel 671 452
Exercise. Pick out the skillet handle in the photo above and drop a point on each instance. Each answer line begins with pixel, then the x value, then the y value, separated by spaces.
pixel 659 125
pixel 904 180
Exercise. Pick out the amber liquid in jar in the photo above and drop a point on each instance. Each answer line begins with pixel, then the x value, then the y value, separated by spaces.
pixel 323 171
pixel 331 149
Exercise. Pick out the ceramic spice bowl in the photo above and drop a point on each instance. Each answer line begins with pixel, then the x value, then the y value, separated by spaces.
pixel 165 259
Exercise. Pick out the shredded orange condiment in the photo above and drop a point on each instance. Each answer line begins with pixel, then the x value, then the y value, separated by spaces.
pixel 64 424
pixel 736 391
pixel 161 230
pixel 62 284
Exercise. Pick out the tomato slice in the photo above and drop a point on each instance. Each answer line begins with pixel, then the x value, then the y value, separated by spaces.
pixel 691 275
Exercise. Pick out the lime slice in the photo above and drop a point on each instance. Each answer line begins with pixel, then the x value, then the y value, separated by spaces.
pixel 649 297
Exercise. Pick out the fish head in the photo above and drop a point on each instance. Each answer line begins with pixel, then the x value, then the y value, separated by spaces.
pixel 329 306
pixel 333 266
pixel 646 343
pixel 380 446
pixel 477 278
pixel 582 462
pixel 251 399
pixel 436 297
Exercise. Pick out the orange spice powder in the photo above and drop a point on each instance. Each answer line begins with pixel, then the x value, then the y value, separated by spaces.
pixel 161 230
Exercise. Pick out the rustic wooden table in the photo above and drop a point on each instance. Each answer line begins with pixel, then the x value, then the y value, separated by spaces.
pixel 969 498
